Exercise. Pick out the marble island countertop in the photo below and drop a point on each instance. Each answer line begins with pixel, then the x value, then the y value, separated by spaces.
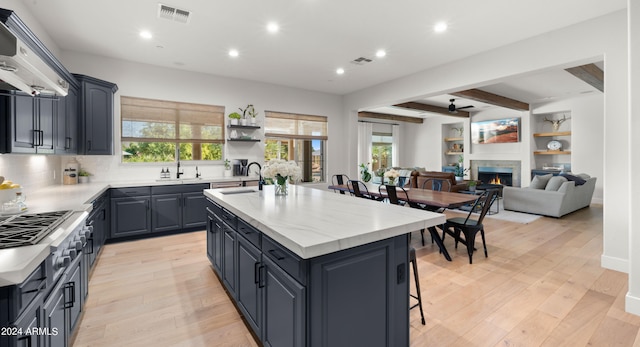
pixel 312 222
pixel 17 263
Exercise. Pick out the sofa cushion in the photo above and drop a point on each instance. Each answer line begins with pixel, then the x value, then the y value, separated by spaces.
pixel 579 180
pixel 555 182
pixel 540 181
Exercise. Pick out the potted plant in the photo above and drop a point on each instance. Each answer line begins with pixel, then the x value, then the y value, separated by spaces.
pixel 227 168
pixel 459 170
pixel 83 176
pixel 233 117
pixel 364 172
pixel 252 113
pixel 472 185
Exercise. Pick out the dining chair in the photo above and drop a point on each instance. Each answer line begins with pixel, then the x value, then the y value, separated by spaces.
pixel 359 189
pixel 470 227
pixel 338 180
pixel 392 194
pixel 438 184
pixel 418 296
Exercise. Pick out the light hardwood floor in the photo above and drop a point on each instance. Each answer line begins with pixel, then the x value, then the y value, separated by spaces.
pixel 542 285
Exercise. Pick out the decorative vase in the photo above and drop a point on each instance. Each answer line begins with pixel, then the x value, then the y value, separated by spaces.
pixel 243 121
pixel 83 179
pixel 392 181
pixel 459 178
pixel 234 121
pixel 253 120
pixel 282 186
pixel 227 173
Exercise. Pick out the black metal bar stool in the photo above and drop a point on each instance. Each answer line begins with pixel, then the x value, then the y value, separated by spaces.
pixel 412 260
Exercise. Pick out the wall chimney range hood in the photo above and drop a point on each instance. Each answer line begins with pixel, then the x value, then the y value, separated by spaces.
pixel 22 69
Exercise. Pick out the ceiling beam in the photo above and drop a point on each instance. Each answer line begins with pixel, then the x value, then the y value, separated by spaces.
pixel 492 99
pixel 430 108
pixel 589 73
pixel 391 117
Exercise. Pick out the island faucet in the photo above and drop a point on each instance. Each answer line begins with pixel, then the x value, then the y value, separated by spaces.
pixel 260 181
pixel 178 172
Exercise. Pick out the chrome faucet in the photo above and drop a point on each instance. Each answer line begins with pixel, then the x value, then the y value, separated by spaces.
pixel 260 181
pixel 178 172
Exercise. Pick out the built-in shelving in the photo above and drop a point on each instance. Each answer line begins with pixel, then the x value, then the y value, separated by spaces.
pixel 551 152
pixel 244 140
pixel 452 139
pixel 454 152
pixel 550 134
pixel 243 126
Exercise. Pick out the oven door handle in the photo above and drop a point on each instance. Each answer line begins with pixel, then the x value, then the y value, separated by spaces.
pixel 71 286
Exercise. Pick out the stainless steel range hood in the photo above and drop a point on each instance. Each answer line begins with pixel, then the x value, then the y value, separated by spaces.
pixel 22 69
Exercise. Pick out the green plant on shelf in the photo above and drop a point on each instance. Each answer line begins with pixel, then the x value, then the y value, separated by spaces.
pixel 235 115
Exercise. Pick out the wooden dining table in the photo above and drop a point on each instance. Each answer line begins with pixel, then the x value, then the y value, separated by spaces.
pixel 428 197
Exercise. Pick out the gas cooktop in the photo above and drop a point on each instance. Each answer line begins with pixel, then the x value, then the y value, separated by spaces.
pixel 29 229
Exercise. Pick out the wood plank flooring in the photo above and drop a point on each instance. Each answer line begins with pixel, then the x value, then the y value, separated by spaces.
pixel 542 285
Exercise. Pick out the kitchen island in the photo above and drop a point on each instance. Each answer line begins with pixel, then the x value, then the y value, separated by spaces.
pixel 315 268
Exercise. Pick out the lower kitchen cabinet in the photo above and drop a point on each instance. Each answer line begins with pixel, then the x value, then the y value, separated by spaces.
pixel 214 239
pixel 178 207
pixel 166 212
pixel 130 216
pixel 30 320
pixel 250 283
pixel 322 301
pixel 55 314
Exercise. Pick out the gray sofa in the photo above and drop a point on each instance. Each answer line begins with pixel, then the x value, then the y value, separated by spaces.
pixel 551 196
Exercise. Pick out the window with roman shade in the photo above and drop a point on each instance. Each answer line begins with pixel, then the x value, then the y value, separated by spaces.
pixel 161 131
pixel 297 137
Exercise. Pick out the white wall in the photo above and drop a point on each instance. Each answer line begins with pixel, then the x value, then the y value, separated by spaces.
pixel 32 172
pixel 146 81
pixel 590 41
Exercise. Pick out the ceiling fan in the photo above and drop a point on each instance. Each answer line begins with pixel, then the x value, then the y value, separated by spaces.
pixel 453 109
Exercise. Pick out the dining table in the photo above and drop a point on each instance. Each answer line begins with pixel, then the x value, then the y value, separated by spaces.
pixel 437 199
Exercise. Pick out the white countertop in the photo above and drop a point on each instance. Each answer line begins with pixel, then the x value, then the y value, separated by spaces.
pixel 313 222
pixel 17 263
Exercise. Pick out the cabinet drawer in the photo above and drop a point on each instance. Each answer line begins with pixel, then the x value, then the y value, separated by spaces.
pixel 289 262
pixel 131 191
pixel 214 208
pixel 248 232
pixel 229 218
pixel 179 188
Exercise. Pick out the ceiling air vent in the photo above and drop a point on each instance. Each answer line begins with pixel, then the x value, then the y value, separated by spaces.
pixel 361 61
pixel 174 14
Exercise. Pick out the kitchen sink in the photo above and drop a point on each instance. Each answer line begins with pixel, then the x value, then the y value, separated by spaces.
pixel 242 191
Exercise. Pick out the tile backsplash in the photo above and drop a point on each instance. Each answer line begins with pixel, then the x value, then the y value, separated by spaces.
pixel 31 171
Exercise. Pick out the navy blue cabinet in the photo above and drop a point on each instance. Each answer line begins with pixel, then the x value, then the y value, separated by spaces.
pixel 229 262
pixel 31 124
pixel 66 139
pixel 250 283
pixel 130 211
pixel 95 115
pixel 178 207
pixel 54 313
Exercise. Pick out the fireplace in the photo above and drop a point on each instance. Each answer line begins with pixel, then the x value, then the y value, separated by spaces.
pixel 489 175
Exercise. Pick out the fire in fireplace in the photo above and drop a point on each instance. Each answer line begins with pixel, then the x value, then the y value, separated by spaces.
pixel 495 175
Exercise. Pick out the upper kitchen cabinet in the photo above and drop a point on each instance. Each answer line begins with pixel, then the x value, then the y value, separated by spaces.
pixel 95 115
pixel 29 123
pixel 66 139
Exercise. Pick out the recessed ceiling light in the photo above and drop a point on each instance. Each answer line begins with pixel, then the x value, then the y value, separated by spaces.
pixel 273 27
pixel 440 27
pixel 340 71
pixel 234 53
pixel 145 34
pixel 381 53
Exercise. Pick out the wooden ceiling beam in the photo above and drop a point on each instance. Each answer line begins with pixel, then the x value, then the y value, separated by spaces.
pixel 391 117
pixel 589 73
pixel 430 108
pixel 492 99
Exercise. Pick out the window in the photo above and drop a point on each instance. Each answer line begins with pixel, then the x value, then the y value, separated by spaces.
pixel 297 137
pixel 161 131
pixel 381 150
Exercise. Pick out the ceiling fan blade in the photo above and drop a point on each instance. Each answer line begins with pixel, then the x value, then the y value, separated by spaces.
pixel 463 107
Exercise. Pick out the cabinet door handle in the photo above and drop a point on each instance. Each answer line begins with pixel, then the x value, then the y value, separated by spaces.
pixel 261 276
pixel 256 272
pixel 67 142
pixel 41 135
pixel 277 254
pixel 90 243
pixel 34 139
pixel 89 145
pixel 71 288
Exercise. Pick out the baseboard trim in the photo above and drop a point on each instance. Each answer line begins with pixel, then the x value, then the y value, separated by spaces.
pixel 613 263
pixel 632 304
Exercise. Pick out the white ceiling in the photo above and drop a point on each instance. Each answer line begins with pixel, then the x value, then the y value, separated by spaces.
pixel 316 37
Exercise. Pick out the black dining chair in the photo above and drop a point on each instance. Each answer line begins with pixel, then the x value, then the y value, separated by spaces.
pixel 338 180
pixel 392 194
pixel 359 189
pixel 470 227
pixel 437 185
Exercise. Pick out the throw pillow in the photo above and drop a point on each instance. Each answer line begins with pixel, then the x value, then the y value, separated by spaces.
pixel 540 181
pixel 579 181
pixel 555 182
